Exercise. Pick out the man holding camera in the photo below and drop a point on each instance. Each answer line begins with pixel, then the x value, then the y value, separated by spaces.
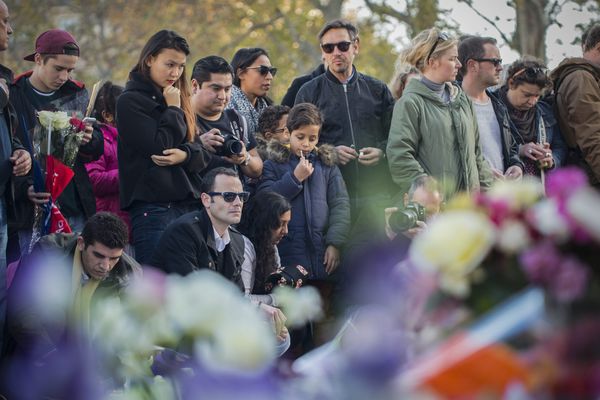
pixel 422 202
pixel 223 133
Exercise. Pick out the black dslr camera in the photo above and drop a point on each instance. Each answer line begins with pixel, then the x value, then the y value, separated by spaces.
pixel 231 146
pixel 407 218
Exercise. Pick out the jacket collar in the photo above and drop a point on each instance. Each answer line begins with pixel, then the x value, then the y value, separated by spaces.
pixel 137 82
pixel 333 78
pixel 70 86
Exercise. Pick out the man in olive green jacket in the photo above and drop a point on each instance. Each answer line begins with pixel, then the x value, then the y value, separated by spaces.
pixel 577 105
pixel 431 137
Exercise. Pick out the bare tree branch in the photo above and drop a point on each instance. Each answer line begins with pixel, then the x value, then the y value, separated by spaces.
pixel 385 9
pixel 236 41
pixel 508 40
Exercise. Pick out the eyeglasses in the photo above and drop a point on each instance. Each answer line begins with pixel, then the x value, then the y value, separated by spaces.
pixel 443 36
pixel 495 61
pixel 229 197
pixel 342 46
pixel 531 73
pixel 264 70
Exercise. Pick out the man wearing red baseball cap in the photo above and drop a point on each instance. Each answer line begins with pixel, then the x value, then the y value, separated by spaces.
pixel 49 87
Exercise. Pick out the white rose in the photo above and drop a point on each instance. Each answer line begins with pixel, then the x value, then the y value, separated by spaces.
pixel 56 119
pixel 518 194
pixel 548 221
pixel 583 207
pixel 299 305
pixel 513 236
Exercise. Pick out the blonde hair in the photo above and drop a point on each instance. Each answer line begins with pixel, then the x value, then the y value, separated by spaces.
pixel 417 54
pixel 401 74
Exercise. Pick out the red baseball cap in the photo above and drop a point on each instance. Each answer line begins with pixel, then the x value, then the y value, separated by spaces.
pixel 55 41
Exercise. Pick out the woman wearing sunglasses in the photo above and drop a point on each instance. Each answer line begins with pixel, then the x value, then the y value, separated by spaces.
pixel 434 130
pixel 159 159
pixel 533 123
pixel 251 83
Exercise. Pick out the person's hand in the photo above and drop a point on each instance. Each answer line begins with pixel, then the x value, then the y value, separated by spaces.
pixel 547 161
pixel 21 160
pixel 172 97
pixel 283 334
pixel 346 154
pixel 237 159
pixel 38 198
pixel 514 173
pixel 369 156
pixel 531 150
pixel 4 86
pixel 304 169
pixel 332 259
pixel 276 317
pixel 211 140
pixel 389 232
pixel 415 230
pixel 87 135
pixel 171 157
pixel 497 174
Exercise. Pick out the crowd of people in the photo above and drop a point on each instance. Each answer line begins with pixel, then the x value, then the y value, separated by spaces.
pixel 194 168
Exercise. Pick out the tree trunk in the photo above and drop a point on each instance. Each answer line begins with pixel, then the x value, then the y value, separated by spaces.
pixel 532 22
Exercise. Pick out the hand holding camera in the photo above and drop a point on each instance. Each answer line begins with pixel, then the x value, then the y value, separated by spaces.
pixel 211 140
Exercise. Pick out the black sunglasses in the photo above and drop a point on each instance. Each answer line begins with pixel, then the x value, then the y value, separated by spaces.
pixel 495 61
pixel 342 46
pixel 443 36
pixel 531 73
pixel 229 197
pixel 264 70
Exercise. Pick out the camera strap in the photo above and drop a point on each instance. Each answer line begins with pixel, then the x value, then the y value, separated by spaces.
pixel 238 124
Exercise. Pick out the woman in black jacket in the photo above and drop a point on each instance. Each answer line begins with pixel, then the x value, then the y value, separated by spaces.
pixel 159 157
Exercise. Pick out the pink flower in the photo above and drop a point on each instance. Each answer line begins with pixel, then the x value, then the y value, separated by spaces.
pixel 569 281
pixel 561 183
pixel 541 262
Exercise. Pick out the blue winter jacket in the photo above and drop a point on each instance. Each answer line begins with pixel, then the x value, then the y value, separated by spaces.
pixel 320 206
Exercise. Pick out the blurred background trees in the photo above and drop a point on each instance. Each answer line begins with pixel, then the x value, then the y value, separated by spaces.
pixel 111 33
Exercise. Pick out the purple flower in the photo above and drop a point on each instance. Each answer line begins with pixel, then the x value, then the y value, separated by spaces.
pixel 541 262
pixel 569 281
pixel 561 183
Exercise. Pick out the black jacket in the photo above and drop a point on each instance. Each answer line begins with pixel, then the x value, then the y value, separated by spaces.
pixel 290 95
pixel 188 244
pixel 10 116
pixel 356 114
pixel 147 126
pixel 510 147
pixel 78 197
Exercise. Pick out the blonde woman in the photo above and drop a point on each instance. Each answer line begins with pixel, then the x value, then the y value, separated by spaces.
pixel 434 130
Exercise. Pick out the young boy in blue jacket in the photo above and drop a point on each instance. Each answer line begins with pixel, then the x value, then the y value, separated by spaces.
pixel 309 178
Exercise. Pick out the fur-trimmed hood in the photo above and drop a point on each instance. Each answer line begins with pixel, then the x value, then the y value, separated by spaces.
pixel 280 153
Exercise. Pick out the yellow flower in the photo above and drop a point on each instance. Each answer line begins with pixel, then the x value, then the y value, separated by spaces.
pixel 453 245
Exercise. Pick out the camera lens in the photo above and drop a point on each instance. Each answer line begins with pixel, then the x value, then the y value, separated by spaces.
pixel 403 220
pixel 234 146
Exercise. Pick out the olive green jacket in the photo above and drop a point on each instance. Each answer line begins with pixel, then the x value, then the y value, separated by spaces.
pixel 430 137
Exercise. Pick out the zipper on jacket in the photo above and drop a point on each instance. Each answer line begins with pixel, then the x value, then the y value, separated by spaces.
pixel 345 86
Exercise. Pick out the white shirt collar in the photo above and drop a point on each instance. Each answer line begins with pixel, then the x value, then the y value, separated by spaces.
pixel 221 241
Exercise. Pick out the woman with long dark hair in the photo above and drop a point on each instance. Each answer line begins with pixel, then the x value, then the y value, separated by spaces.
pixel 251 83
pixel 159 157
pixel 264 223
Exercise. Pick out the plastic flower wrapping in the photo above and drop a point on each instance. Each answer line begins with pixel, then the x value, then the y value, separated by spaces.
pixel 58 134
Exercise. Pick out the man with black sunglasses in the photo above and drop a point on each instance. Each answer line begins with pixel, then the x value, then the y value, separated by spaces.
pixel 480 70
pixel 357 112
pixel 205 239
pixel 577 105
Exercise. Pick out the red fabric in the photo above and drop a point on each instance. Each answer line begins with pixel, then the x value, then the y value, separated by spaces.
pixel 58 223
pixel 58 176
